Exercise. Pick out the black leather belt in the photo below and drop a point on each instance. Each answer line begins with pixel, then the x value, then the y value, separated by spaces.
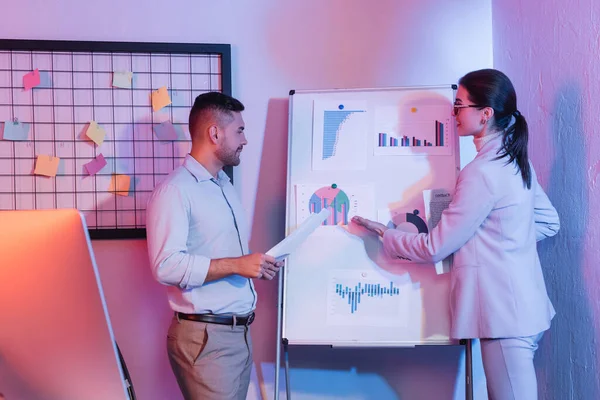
pixel 231 320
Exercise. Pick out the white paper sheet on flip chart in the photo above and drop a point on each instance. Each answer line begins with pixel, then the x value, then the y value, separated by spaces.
pixel 436 201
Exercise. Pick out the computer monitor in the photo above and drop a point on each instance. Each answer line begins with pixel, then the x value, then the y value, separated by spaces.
pixel 56 340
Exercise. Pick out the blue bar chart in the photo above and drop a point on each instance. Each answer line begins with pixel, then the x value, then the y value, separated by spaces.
pixel 332 128
pixel 413 141
pixel 361 291
pixel 413 130
pixel 366 298
pixel 338 135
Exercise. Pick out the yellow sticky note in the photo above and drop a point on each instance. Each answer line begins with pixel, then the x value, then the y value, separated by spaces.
pixel 95 133
pixel 122 79
pixel 160 98
pixel 120 184
pixel 46 165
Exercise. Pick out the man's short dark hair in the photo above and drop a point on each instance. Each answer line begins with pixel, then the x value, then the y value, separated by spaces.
pixel 220 104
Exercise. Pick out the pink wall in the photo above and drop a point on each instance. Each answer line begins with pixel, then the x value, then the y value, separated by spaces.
pixel 139 315
pixel 550 50
pixel 277 46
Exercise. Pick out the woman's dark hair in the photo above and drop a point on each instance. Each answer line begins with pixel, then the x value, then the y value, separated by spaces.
pixel 491 88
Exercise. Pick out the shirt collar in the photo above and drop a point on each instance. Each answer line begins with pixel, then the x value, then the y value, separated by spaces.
pixel 480 142
pixel 200 173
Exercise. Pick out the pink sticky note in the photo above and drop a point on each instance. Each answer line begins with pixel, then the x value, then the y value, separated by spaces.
pixel 31 79
pixel 94 166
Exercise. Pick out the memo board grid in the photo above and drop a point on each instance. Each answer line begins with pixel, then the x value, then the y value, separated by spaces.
pixel 396 175
pixel 75 89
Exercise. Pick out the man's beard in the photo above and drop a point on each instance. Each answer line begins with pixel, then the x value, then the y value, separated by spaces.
pixel 229 158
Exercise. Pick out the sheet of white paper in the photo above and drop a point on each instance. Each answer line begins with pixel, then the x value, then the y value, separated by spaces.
pixel 436 201
pixel 284 248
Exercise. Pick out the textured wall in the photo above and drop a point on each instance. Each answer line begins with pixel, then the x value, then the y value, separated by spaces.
pixel 550 50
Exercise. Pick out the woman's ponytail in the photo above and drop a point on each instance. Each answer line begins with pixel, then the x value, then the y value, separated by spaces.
pixel 514 146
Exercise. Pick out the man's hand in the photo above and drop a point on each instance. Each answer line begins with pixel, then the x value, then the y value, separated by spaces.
pixel 271 269
pixel 254 265
pixel 371 226
pixel 258 265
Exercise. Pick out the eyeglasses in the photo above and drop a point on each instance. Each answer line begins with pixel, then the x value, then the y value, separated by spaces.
pixel 457 107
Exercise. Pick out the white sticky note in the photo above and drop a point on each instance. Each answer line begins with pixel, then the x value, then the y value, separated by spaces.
pixel 15 131
pixel 122 79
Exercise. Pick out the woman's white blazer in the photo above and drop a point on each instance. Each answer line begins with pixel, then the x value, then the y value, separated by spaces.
pixel 491 227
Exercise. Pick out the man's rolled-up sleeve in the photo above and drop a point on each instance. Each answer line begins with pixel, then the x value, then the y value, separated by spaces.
pixel 167 227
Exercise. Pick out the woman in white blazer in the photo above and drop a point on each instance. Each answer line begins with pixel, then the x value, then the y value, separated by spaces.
pixel 498 213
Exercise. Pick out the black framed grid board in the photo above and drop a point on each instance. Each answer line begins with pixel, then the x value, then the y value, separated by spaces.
pixel 97 125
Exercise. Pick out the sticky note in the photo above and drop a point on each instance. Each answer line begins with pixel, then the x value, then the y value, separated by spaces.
pixel 94 166
pixel 95 133
pixel 122 79
pixel 31 79
pixel 165 131
pixel 46 165
pixel 15 131
pixel 160 98
pixel 178 98
pixel 120 184
pixel 45 80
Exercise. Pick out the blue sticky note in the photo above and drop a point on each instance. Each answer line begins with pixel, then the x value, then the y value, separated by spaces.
pixel 178 98
pixel 45 80
pixel 165 131
pixel 15 131
pixel 181 135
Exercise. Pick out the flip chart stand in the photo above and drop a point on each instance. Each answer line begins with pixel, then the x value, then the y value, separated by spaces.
pixel 283 342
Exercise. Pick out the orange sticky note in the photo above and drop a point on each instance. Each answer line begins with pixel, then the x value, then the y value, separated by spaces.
pixel 46 165
pixel 120 184
pixel 95 133
pixel 31 79
pixel 160 98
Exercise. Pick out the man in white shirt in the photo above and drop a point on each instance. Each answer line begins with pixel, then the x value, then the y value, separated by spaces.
pixel 198 245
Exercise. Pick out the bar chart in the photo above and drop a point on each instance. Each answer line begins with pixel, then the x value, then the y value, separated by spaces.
pixel 361 291
pixel 366 298
pixel 343 201
pixel 406 141
pixel 333 125
pixel 332 197
pixel 424 138
pixel 413 128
